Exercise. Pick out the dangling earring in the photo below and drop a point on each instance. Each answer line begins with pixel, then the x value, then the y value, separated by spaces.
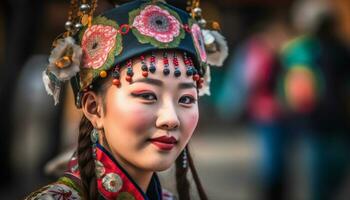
pixel 184 158
pixel 94 140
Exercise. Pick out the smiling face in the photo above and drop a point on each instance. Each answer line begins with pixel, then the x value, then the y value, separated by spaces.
pixel 149 121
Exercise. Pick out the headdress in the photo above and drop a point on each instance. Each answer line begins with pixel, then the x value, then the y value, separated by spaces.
pixel 94 46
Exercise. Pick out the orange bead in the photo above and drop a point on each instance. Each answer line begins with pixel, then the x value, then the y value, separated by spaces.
pixel 144 73
pixel 116 82
pixel 103 74
pixel 128 78
pixel 196 77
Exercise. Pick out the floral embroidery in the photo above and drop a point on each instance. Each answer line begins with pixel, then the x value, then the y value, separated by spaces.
pixel 156 25
pixel 198 41
pixel 97 42
pixel 100 42
pixel 61 191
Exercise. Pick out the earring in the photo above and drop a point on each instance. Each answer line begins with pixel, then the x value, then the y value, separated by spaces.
pixel 184 158
pixel 94 140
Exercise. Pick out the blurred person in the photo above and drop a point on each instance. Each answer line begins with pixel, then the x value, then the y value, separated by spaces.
pixel 17 48
pixel 249 90
pixel 136 71
pixel 315 91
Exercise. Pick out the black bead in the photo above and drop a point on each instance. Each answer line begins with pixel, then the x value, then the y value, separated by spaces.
pixel 116 74
pixel 189 71
pixel 144 67
pixel 130 72
pixel 152 68
pixel 177 73
pixel 195 71
pixel 166 71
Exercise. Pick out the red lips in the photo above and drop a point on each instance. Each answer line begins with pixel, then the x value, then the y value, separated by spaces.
pixel 164 143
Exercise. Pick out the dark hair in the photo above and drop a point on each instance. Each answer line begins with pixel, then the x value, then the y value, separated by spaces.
pixel 87 164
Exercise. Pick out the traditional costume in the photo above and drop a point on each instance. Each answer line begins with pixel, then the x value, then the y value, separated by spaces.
pixel 93 48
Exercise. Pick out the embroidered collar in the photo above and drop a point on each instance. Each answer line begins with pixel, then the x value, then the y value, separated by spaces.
pixel 113 181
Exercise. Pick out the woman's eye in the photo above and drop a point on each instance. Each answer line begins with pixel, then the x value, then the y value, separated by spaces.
pixel 187 100
pixel 146 96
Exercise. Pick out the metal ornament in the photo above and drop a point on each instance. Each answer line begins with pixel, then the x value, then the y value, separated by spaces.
pixel 94 136
pixel 112 182
pixel 99 168
pixel 184 159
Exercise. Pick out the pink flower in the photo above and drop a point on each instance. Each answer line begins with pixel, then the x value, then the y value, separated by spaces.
pixel 157 23
pixel 97 42
pixel 199 41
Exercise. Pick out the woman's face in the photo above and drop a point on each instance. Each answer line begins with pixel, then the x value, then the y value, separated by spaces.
pixel 148 122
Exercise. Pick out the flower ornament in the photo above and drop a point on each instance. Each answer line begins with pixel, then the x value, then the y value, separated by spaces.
pixel 100 43
pixel 157 25
pixel 65 59
pixel 64 63
pixel 199 42
pixel 97 43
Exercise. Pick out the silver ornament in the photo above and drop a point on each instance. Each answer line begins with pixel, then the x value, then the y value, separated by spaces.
pixel 78 26
pixel 68 25
pixel 84 7
pixel 202 23
pixel 112 182
pixel 99 168
pixel 197 11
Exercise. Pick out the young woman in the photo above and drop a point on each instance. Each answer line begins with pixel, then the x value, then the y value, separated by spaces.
pixel 136 74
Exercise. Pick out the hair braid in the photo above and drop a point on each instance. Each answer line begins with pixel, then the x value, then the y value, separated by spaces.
pixel 182 183
pixel 201 192
pixel 86 161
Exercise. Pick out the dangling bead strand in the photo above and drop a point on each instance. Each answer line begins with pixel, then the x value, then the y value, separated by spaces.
pixel 152 67
pixel 166 70
pixel 195 75
pixel 116 76
pixel 189 67
pixel 129 72
pixel 177 71
pixel 144 67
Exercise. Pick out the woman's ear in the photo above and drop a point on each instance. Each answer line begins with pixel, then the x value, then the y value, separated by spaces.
pixel 92 109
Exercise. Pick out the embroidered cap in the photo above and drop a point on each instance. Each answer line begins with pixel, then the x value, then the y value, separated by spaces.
pixel 120 34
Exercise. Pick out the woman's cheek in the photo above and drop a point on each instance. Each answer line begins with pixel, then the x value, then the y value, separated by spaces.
pixel 190 121
pixel 139 116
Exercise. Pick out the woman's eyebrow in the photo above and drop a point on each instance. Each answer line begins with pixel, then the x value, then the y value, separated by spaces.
pixel 155 82
pixel 188 85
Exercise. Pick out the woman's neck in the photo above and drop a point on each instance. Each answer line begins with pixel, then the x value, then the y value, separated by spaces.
pixel 141 177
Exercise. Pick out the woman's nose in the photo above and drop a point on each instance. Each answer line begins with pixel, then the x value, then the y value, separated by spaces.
pixel 168 118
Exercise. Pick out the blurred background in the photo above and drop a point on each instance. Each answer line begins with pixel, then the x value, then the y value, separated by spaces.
pixel 275 127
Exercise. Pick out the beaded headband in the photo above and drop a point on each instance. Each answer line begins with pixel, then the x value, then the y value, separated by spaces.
pixel 94 47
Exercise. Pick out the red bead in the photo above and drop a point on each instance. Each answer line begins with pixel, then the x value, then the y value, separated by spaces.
pixel 142 57
pixel 128 78
pixel 144 73
pixel 196 77
pixel 116 82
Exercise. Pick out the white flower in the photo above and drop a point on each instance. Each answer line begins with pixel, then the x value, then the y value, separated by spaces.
pixel 205 90
pixel 65 58
pixel 216 47
pixel 52 87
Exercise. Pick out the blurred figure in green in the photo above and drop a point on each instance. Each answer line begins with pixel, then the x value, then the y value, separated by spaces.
pixel 314 86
